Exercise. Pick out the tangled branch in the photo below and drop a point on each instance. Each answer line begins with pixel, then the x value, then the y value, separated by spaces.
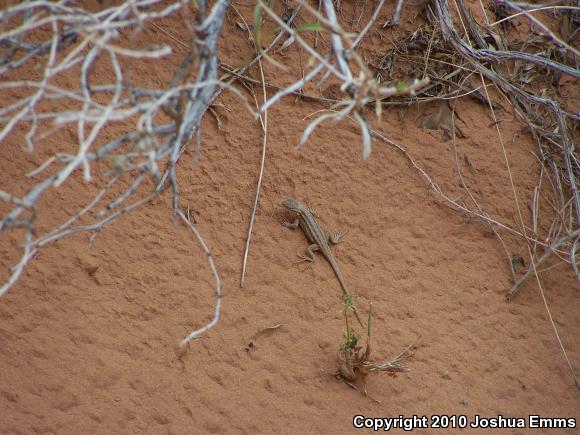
pixel 163 120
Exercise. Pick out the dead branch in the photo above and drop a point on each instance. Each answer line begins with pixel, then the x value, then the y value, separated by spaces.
pixel 75 40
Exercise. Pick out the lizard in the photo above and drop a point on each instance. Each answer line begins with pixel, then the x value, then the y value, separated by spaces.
pixel 319 239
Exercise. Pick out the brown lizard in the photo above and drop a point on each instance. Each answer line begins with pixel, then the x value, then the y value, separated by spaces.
pixel 306 220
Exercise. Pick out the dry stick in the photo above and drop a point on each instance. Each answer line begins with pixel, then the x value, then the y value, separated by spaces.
pixel 543 8
pixel 264 123
pixel 484 11
pixel 218 285
pixel 316 32
pixel 336 41
pixel 467 20
pixel 15 271
pixel 553 266
pixel 356 22
pixel 374 17
pixel 573 256
pixel 397 14
pixel 428 56
pixel 536 212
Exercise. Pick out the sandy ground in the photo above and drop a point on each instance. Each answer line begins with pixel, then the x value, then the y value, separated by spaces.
pixel 88 335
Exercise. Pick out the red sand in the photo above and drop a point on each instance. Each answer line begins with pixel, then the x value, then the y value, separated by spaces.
pixel 88 335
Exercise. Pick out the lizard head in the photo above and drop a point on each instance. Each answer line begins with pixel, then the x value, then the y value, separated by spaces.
pixel 291 204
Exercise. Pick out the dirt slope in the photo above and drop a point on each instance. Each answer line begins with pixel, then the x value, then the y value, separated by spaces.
pixel 88 336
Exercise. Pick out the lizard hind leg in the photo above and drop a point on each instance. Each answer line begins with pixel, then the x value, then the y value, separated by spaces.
pixel 309 253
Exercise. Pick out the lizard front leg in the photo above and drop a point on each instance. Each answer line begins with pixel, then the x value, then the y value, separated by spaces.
pixel 292 225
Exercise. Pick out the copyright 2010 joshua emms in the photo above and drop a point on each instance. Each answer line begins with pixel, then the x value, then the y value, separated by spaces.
pixel 461 422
